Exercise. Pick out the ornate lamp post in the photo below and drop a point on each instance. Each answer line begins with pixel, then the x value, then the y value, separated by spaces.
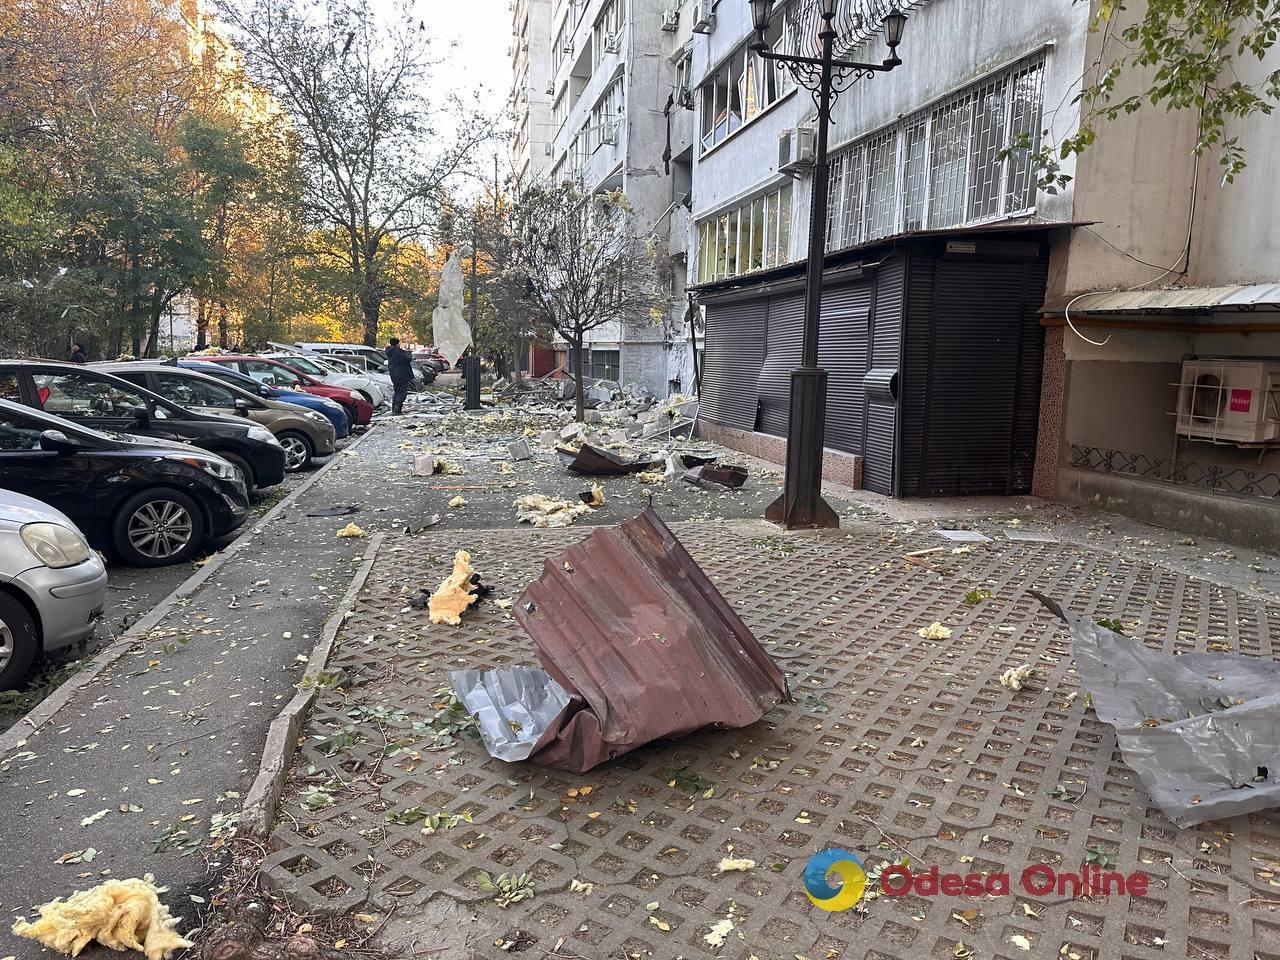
pixel 825 76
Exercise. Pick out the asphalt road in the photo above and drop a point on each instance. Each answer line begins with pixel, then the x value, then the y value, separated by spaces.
pixel 141 761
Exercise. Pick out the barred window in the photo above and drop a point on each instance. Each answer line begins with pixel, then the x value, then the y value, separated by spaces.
pixel 946 165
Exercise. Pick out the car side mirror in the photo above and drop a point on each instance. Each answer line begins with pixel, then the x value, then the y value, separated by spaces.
pixel 141 413
pixel 57 442
pixel 242 406
pixel 264 391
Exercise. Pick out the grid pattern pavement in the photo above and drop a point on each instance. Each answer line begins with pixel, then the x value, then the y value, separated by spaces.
pixel 894 745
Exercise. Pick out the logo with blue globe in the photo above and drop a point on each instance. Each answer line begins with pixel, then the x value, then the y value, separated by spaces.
pixel 834 879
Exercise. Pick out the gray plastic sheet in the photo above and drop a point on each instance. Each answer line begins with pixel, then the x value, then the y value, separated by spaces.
pixel 1202 730
pixel 518 709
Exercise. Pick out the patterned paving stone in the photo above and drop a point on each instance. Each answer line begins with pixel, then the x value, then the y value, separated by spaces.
pixel 895 744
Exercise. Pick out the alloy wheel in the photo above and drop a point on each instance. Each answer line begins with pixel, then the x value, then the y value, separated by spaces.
pixel 6 645
pixel 159 529
pixel 295 452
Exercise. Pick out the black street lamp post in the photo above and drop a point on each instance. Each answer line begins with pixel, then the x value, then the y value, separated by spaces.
pixel 801 503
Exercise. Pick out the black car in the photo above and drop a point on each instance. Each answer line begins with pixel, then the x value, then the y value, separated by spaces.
pixel 105 402
pixel 152 501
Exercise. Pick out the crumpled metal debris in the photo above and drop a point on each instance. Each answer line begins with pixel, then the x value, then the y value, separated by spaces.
pixel 631 628
pixel 516 708
pixel 1202 730
pixel 730 476
pixel 598 462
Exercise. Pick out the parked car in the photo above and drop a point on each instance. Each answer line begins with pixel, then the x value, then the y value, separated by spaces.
pixel 52 584
pixel 432 359
pixel 100 400
pixel 304 434
pixel 276 374
pixel 152 501
pixel 375 358
pixel 330 409
pixel 368 387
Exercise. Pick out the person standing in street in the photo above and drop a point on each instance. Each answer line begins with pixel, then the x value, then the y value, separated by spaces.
pixel 77 354
pixel 401 369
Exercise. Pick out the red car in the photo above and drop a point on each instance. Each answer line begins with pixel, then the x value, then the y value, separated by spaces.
pixel 276 374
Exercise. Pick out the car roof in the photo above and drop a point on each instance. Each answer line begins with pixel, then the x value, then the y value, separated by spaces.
pixel 81 368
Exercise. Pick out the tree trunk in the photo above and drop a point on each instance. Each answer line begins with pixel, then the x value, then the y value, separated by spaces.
pixel 370 308
pixel 575 352
pixel 202 324
pixel 223 331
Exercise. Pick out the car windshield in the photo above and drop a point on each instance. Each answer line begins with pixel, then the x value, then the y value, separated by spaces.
pixel 306 365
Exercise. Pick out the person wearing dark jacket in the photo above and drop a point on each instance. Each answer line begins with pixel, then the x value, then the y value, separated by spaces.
pixel 400 366
pixel 77 354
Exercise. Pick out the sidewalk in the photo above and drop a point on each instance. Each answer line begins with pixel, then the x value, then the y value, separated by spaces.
pixel 895 746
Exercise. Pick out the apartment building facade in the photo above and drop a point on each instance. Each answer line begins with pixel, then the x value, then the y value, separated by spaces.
pixel 530 96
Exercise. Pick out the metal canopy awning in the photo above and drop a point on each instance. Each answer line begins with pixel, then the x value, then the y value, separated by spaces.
pixel 1191 300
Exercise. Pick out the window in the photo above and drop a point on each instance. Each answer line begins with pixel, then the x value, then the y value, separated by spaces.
pixel 755 236
pixel 193 392
pixel 74 395
pixel 18 432
pixel 9 387
pixel 604 364
pixel 560 110
pixel 269 373
pixel 606 35
pixel 744 86
pixel 964 160
pixel 606 116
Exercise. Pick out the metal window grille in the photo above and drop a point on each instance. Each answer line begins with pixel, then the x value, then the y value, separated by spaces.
pixel 963 160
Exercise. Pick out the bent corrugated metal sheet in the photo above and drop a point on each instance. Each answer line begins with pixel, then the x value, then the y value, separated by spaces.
pixel 628 623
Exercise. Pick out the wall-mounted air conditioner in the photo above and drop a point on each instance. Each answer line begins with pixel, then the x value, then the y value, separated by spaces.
pixel 609 134
pixel 1230 401
pixel 671 20
pixel 547 149
pixel 704 21
pixel 551 88
pixel 524 45
pixel 795 149
pixel 612 43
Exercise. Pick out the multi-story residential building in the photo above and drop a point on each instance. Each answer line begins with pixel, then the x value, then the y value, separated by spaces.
pixel 531 88
pixel 949 271
pixel 617 123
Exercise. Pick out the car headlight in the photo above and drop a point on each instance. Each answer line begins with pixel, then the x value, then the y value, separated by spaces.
pixel 330 405
pixel 262 435
pixel 54 545
pixel 353 395
pixel 214 466
pixel 318 417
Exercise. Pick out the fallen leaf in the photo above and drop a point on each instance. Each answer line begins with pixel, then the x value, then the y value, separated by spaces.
pixel 94 818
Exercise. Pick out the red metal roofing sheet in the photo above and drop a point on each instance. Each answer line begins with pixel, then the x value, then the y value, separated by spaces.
pixel 628 623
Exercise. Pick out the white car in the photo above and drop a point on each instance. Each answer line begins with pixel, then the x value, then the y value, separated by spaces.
pixel 369 388
pixel 52 584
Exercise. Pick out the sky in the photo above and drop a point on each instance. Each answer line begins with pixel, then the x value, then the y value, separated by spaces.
pixel 482 30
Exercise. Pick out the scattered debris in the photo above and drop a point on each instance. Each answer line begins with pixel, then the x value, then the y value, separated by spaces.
pixel 721 929
pixel 1016 678
pixel 638 628
pixel 934 631
pixel 729 476
pixel 731 864
pixel 458 591
pixel 963 536
pixel 427 464
pixel 599 462
pixel 426 524
pixel 341 511
pixel 457 502
pixel 593 497
pixel 543 511
pixel 1202 730
pixel 519 450
pixel 350 530
pixel 651 476
pixel 119 914
pixel 515 707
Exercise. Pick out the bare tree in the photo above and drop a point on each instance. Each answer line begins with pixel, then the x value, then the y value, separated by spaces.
pixel 377 151
pixel 578 264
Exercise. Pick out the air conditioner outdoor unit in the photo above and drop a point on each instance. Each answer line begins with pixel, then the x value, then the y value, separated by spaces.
pixel 609 135
pixel 551 88
pixel 612 43
pixel 524 45
pixel 547 149
pixel 704 21
pixel 795 149
pixel 670 20
pixel 1230 401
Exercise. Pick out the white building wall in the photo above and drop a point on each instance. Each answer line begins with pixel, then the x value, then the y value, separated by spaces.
pixel 531 79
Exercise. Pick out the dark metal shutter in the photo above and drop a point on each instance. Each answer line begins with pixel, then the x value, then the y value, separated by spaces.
pixel 843 351
pixel 734 345
pixel 785 333
pixel 1026 423
pixel 913 379
pixel 979 337
pixel 878 449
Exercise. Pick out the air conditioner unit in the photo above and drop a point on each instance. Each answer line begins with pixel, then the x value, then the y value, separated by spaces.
pixel 795 149
pixel 551 88
pixel 671 20
pixel 547 149
pixel 704 21
pixel 524 45
pixel 612 43
pixel 1230 401
pixel 609 134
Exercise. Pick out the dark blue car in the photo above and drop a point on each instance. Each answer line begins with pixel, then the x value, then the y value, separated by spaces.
pixel 333 411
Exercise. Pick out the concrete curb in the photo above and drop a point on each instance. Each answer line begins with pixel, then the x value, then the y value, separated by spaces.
pixel 16 736
pixel 259 810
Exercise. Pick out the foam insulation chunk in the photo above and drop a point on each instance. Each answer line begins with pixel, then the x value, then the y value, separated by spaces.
pixel 120 914
pixel 456 593
pixel 543 511
pixel 350 530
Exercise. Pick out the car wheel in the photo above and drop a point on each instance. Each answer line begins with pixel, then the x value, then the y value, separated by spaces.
pixel 241 464
pixel 367 396
pixel 19 642
pixel 158 527
pixel 297 450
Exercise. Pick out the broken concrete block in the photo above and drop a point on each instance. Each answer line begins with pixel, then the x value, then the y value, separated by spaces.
pixel 547 437
pixel 519 450
pixel 591 416
pixel 572 431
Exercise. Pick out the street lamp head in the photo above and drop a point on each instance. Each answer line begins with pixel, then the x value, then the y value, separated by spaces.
pixel 828 8
pixel 894 23
pixel 760 14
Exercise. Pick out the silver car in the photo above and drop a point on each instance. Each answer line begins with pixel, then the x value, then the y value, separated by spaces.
pixel 52 584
